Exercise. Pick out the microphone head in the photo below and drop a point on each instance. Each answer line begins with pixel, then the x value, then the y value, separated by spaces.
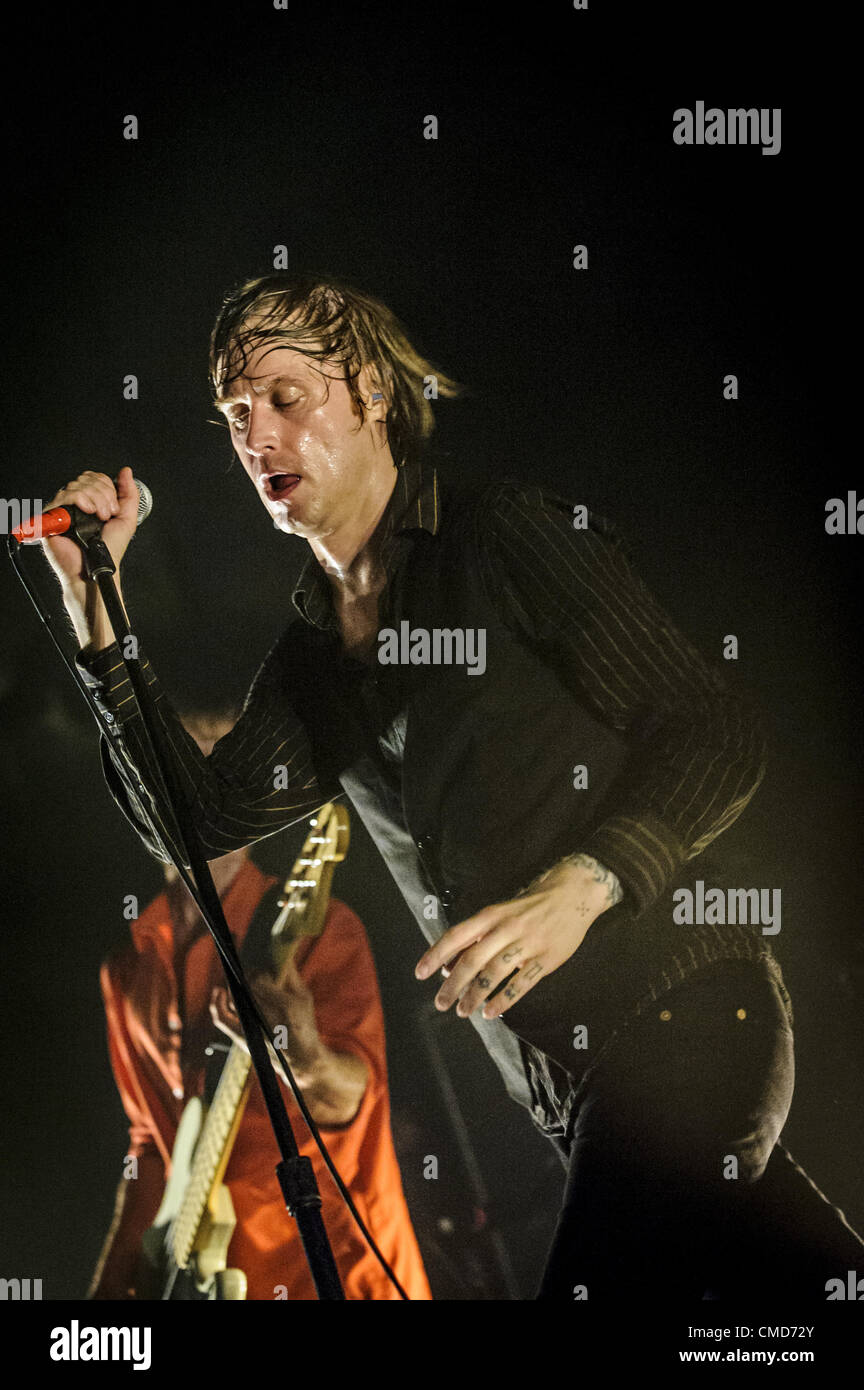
pixel 145 500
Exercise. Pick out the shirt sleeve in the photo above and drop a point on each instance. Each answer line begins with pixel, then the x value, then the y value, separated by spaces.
pixel 340 972
pixel 140 1190
pixel 258 779
pixel 143 1138
pixel 574 597
pixel 136 1204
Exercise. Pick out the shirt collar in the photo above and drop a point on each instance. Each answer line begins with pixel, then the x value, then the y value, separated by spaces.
pixel 413 505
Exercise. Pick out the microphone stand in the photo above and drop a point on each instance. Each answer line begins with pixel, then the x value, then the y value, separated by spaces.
pixel 295 1172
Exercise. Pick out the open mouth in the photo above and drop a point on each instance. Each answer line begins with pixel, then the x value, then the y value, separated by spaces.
pixel 279 485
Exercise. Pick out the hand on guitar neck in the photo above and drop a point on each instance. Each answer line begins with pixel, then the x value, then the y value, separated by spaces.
pixel 333 1083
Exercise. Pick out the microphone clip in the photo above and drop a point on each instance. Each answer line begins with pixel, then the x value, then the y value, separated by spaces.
pixel 86 530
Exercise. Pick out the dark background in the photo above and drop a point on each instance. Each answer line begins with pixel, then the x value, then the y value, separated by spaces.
pixel 305 128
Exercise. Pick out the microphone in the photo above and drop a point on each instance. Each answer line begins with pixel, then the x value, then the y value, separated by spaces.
pixel 58 520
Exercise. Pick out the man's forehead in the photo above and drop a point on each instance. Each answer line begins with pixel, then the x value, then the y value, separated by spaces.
pixel 263 371
pixel 259 385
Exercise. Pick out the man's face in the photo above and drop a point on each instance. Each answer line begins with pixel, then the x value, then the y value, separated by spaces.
pixel 306 451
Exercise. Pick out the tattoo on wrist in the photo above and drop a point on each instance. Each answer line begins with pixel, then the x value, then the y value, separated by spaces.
pixel 600 874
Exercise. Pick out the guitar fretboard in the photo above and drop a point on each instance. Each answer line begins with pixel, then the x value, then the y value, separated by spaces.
pixel 303 907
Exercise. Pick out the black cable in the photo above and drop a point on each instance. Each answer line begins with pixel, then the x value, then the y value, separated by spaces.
pixel 227 952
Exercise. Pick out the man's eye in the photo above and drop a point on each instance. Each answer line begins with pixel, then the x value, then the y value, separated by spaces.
pixel 239 422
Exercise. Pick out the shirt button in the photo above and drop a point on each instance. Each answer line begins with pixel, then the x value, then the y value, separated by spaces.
pixel 446 898
pixel 174 1024
pixel 424 843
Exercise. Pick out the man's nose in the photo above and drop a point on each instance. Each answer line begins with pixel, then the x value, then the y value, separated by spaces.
pixel 261 434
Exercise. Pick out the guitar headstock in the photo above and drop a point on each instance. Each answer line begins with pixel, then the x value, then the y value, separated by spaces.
pixel 306 891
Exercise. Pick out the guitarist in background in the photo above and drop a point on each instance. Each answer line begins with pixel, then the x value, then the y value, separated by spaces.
pixel 163 994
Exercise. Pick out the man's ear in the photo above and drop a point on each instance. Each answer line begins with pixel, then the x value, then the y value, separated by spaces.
pixel 373 393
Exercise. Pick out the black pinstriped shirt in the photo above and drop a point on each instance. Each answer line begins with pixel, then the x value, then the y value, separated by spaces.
pixel 569 587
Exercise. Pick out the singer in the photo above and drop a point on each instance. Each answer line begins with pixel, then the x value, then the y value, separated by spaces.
pixel 543 811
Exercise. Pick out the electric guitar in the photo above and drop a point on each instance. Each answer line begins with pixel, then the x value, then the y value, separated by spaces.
pixel 184 1252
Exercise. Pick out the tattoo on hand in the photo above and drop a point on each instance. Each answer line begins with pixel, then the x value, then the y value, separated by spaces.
pixel 600 874
pixel 512 953
pixel 484 982
pixel 534 971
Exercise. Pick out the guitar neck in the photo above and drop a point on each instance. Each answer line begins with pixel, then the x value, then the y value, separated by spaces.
pixel 303 908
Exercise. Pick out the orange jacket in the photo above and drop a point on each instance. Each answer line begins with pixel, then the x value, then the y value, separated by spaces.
pixel 158 1063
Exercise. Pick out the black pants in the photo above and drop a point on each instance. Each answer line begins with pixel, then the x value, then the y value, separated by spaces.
pixel 677 1189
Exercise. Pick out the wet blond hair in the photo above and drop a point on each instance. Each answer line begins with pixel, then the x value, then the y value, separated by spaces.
pixel 326 319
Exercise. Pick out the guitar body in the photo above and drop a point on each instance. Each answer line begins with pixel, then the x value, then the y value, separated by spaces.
pixel 206 1277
